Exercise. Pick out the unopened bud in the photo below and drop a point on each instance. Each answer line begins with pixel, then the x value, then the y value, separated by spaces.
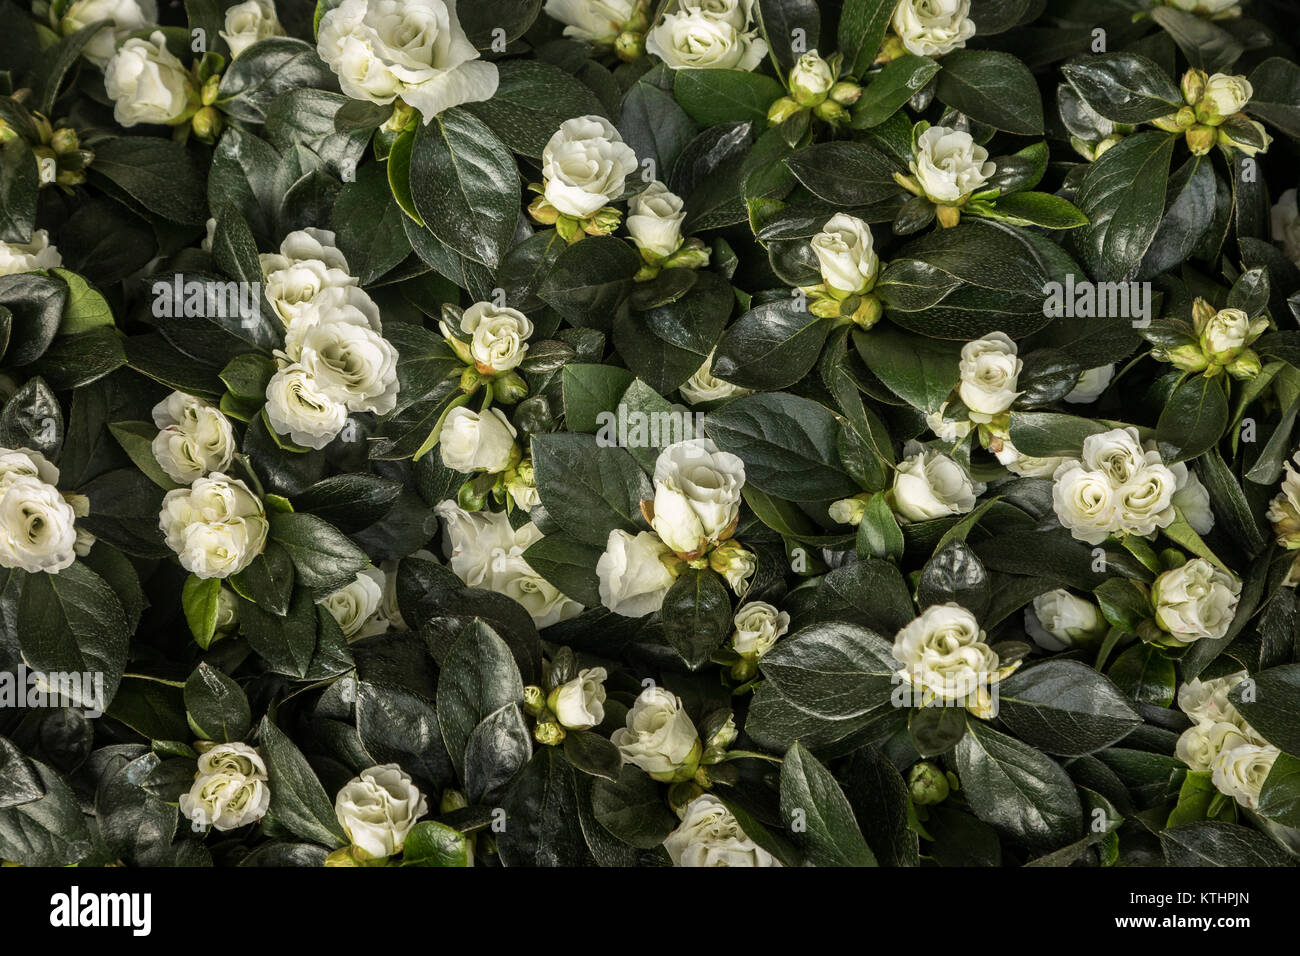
pixel 470 379
pixel 1201 139
pixel 782 110
pixel 207 124
pixel 927 784
pixel 604 222
pixel 1245 366
pixel 64 141
pixel 846 93
pixel 868 312
pixel 630 46
pixel 1193 85
pixel 534 700
pixel 850 510
pixel 548 733
pixel 831 112
pixel 947 215
pixel 543 212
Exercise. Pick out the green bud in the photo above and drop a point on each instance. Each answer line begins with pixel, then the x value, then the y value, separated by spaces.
pixel 509 387
pixel 1245 366
pixel 604 222
pixel 846 93
pixel 831 112
pixel 534 700
pixel 548 733
pixel 470 379
pixel 208 92
pixel 207 124
pixel 64 140
pixel 630 46
pixel 543 212
pixel 1193 85
pixel 570 229
pixel 693 254
pixel 1201 139
pixel 927 784
pixel 868 312
pixel 947 215
pixel 451 801
pixel 782 110
pixel 470 497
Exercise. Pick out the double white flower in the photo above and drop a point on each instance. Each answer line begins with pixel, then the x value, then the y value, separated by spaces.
pixel 477 441
pixel 579 704
pixel 217 526
pixel 230 788
pixel 248 22
pixel 990 369
pixel 358 605
pixel 710 835
pixel 378 809
pixel 929 484
pixel 147 84
pixel 37 524
pixel 846 255
pixel 708 35
pixel 933 27
pixel 697 495
pixel 948 165
pixel 633 576
pixel 1119 487
pixel 757 627
pixel 654 221
pixel 414 50
pixel 585 166
pixel 704 386
pixel 498 337
pixel 1195 601
pixel 1221 742
pixel 193 438
pixel 945 658
pixel 484 551
pixel 126 16
pixel 660 737
pixel 595 21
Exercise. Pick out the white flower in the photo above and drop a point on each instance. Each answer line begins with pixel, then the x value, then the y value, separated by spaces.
pixel 37 525
pixel 989 369
pixel 1215 9
pixel 944 656
pixel 846 256
pixel 230 789
pixel 18 463
pixel 1195 601
pixel 739 13
pixel 933 27
pixel 585 166
pixel 128 16
pixel 948 165
pixel 193 437
pixel 595 21
pixel 356 605
pixel 16 257
pixel 1284 510
pixel 1286 224
pixel 654 220
pixel 930 485
pixel 1207 700
pixel 293 289
pixel 1193 499
pixel 217 526
pixel 146 83
pixel 1059 620
pixel 413 49
pixel 350 362
pixel 498 337
pixel 303 245
pixel 1198 746
pixel 1226 332
pixel 1091 384
pixel 947 429
pixel 1146 501
pixel 697 494
pixel 484 551
pixel 470 441
pixel 757 627
pixel 378 809
pixel 579 704
pixel 1118 454
pixel 1224 95
pixel 697 40
pixel 1026 466
pixel 704 386
pixel 521 482
pixel 296 406
pixel 543 601
pixel 659 737
pixel 735 564
pixel 633 578
pixel 1084 502
pixel 1240 772
pixel 248 22
pixel 710 835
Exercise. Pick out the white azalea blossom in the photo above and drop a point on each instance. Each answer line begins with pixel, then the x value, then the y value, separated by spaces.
pixel 660 737
pixel 231 788
pixel 633 576
pixel 930 485
pixel 35 254
pixel 697 494
pixel 378 809
pixel 949 166
pixel 933 27
pixel 217 526
pixel 248 22
pixel 147 84
pixel 193 438
pixel 710 835
pixel 585 166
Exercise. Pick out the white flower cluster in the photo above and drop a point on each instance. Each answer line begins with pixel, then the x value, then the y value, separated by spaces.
pixel 193 438
pixel 486 552
pixel 125 16
pixel 216 526
pixel 1222 742
pixel 694 513
pixel 37 523
pixel 230 789
pixel 334 359
pixel 708 35
pixel 412 50
pixel 1118 486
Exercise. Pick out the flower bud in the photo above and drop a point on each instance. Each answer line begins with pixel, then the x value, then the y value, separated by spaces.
pixel 1201 139
pixel 470 380
pixel 604 222
pixel 1170 124
pixel 207 124
pixel 927 784
pixel 1188 358
pixel 846 93
pixel 1105 144
pixel 630 46
pixel 826 308
pixel 64 141
pixel 1193 85
pixel 811 79
pixel 470 497
pixel 850 510
pixel 693 254
pixel 948 216
pixel 868 312
pixel 831 112
pixel 548 733
pixel 1245 366
pixel 782 110
pixel 451 801
pixel 1185 118
pixel 735 564
pixel 509 387
pixel 209 91
pixel 534 700
pixel 543 212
